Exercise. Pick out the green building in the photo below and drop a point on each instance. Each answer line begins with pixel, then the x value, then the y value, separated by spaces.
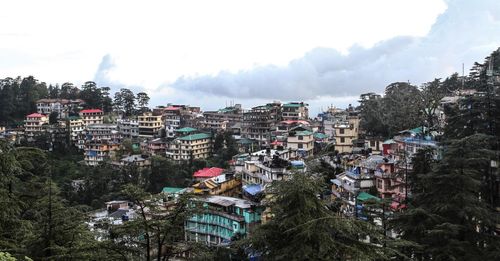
pixel 221 219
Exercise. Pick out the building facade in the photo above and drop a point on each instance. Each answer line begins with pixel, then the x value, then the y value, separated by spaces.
pixel 149 125
pixel 92 116
pixel 193 146
pixel 221 219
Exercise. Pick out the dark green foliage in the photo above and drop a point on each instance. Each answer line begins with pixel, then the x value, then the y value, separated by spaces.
pixel 448 216
pixel 303 228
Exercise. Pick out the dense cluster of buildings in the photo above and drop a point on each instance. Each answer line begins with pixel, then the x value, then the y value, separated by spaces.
pixel 273 141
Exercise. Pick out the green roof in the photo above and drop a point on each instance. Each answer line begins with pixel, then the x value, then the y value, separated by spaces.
pixel 303 133
pixel 294 105
pixel 171 190
pixel 227 109
pixel 365 196
pixel 186 129
pixel 197 136
pixel 319 135
pixel 391 141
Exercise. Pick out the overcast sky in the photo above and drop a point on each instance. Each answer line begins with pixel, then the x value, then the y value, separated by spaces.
pixel 210 53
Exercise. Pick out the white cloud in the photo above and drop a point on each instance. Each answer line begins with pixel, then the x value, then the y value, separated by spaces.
pixel 151 44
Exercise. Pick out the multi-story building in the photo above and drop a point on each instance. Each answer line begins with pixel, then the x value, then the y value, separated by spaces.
pixel 222 218
pixel 223 118
pixel 63 107
pixel 301 140
pixel 225 184
pixel 33 125
pixel 128 128
pixel 75 127
pixel 345 133
pixel 104 131
pixel 172 117
pixel 149 125
pixel 97 151
pixel 91 116
pixel 156 146
pixel 295 111
pixel 193 146
pixel 264 167
pixel 260 121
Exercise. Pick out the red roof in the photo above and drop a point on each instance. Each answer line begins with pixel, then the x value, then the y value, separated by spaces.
pixel 91 111
pixel 208 172
pixel 35 115
pixel 172 108
pixel 295 121
pixel 276 143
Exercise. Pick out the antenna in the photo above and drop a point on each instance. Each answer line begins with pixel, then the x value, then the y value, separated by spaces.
pixel 463 75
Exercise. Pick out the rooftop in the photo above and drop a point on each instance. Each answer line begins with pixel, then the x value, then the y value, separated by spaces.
pixel 197 136
pixel 229 201
pixel 35 115
pixel 172 190
pixel 91 111
pixel 208 172
pixel 303 133
pixel 186 129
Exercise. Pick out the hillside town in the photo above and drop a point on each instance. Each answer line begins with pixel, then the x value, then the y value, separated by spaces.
pixel 267 144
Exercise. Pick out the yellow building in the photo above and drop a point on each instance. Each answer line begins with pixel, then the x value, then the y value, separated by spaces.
pixel 224 185
pixel 75 127
pixel 33 125
pixel 194 146
pixel 149 125
pixel 345 133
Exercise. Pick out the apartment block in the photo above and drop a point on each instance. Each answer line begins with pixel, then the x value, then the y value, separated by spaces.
pixel 295 111
pixel 91 116
pixel 149 125
pixel 260 121
pixel 221 218
pixel 33 124
pixel 221 119
pixel 193 146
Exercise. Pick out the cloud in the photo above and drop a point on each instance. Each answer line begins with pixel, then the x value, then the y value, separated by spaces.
pixel 466 32
pixel 103 76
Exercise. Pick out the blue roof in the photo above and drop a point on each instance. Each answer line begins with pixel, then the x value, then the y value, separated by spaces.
pixel 252 189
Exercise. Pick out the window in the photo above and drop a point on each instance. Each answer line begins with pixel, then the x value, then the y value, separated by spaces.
pixel 379 183
pixel 341 131
pixel 342 140
pixel 301 137
pixel 300 145
pixel 372 143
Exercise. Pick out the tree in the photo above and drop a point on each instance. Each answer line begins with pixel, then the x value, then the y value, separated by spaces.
pixel 450 217
pixel 53 116
pixel 142 101
pixel 431 95
pixel 124 101
pixel 157 231
pixel 303 228
pixel 91 94
pixel 402 107
pixel 372 115
pixel 107 102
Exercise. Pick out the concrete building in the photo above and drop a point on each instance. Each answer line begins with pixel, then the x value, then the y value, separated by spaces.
pixel 128 128
pixel 149 125
pixel 260 121
pixel 224 184
pixel 295 111
pixel 62 106
pixel 33 125
pixel 345 133
pixel 98 151
pixel 193 146
pixel 221 218
pixel 301 140
pixel 91 116
pixel 75 127
pixel 221 119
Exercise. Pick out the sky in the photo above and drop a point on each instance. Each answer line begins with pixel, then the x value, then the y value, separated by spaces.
pixel 215 53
